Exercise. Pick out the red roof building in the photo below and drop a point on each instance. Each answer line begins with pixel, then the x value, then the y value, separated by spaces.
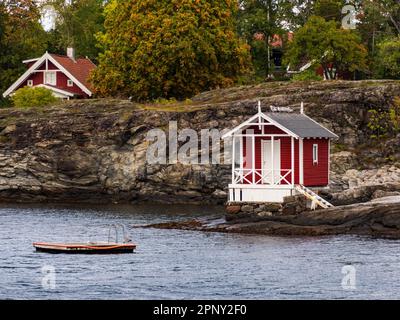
pixel 65 76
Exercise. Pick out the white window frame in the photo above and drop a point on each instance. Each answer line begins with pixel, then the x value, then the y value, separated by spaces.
pixel 52 83
pixel 315 154
pixel 30 83
pixel 70 83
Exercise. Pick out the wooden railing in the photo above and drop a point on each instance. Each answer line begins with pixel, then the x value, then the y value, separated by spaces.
pixel 262 176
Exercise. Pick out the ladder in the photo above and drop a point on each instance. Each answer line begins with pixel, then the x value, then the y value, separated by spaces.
pixel 316 199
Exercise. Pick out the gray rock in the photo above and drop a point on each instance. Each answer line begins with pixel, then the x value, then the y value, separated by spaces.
pixel 247 208
pixel 273 207
pixel 263 214
pixel 382 194
pixel 95 150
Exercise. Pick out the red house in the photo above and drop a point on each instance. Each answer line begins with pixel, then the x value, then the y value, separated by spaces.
pixel 278 154
pixel 65 76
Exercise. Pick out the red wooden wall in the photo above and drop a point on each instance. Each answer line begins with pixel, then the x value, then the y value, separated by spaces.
pixel 313 174
pixel 316 174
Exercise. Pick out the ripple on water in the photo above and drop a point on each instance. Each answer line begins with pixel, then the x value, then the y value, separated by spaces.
pixel 173 264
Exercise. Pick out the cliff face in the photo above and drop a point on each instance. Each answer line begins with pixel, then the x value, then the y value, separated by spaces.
pixel 95 150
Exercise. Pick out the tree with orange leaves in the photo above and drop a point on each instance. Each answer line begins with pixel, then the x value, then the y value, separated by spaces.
pixel 169 48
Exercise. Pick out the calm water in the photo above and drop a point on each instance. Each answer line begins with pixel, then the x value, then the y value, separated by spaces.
pixel 179 264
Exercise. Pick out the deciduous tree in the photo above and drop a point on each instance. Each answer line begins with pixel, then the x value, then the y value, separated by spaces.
pixel 169 48
pixel 77 23
pixel 388 59
pixel 324 43
pixel 21 37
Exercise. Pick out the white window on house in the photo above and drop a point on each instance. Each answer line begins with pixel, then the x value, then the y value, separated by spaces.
pixel 50 77
pixel 30 83
pixel 315 154
pixel 70 83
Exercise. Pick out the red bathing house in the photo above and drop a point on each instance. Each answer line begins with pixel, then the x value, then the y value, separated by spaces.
pixel 278 154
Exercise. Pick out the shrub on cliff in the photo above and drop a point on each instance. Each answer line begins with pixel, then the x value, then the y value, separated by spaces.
pixel 28 97
pixel 308 75
pixel 163 49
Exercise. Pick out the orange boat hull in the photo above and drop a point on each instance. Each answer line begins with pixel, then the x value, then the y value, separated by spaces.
pixel 80 248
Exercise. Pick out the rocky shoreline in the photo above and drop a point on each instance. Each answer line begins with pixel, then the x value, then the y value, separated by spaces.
pixel 377 218
pixel 94 151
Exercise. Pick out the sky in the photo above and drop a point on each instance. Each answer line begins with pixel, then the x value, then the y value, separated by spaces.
pixel 48 16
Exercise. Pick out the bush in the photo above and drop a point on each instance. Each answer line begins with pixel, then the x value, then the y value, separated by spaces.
pixel 33 98
pixel 388 59
pixel 308 75
pixel 5 103
pixel 385 123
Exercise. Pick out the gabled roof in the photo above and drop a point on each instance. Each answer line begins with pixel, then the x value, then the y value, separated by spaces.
pixel 259 117
pixel 297 125
pixel 80 68
pixel 302 125
pixel 77 70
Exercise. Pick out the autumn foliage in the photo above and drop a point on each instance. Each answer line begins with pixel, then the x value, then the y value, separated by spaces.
pixel 164 48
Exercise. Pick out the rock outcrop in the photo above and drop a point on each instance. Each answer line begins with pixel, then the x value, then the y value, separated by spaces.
pixel 95 150
pixel 291 205
pixel 378 218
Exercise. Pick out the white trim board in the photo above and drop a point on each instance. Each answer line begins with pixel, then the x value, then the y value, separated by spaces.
pixel 67 73
pixel 66 93
pixel 24 76
pixel 257 116
pixel 336 136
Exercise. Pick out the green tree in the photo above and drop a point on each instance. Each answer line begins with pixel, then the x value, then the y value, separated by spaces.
pixel 388 59
pixel 378 21
pixel 324 43
pixel 329 9
pixel 77 23
pixel 167 48
pixel 38 97
pixel 21 37
pixel 258 22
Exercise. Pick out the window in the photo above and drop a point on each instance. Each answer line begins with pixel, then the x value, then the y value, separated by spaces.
pixel 50 77
pixel 30 83
pixel 70 83
pixel 315 154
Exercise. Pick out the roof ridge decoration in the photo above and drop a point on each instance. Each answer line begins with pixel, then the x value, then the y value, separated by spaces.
pixel 281 109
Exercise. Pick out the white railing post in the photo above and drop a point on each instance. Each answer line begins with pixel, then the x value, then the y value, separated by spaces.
pixel 233 159
pixel 272 161
pixel 253 157
pixel 292 143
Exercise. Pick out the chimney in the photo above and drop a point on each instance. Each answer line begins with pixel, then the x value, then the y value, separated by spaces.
pixel 71 53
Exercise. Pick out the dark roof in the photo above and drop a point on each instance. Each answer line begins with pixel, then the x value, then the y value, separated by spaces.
pixel 301 125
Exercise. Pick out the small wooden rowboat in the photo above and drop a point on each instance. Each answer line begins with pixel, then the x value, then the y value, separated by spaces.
pixel 88 248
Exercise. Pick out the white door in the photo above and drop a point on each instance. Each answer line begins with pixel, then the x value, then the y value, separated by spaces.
pixel 270 157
